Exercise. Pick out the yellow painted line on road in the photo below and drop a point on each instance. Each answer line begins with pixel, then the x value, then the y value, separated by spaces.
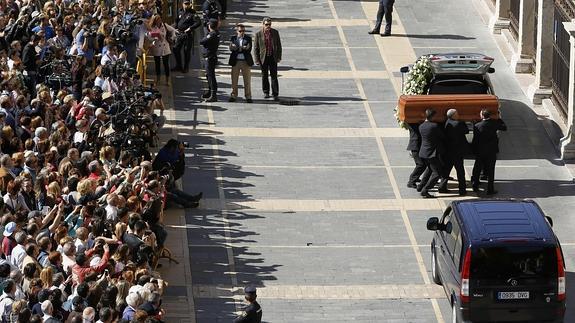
pixel 309 23
pixel 297 132
pixel 312 246
pixel 297 205
pixel 397 52
pixel 222 205
pixel 336 75
pixel 341 292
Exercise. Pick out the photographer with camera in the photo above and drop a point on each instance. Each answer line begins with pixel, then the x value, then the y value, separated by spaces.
pixel 30 59
pixel 186 24
pixel 86 44
pixel 127 31
pixel 170 160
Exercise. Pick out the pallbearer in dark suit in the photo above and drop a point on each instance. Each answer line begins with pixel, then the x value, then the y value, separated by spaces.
pixel 385 10
pixel 486 146
pixel 413 147
pixel 457 147
pixel 241 61
pixel 432 146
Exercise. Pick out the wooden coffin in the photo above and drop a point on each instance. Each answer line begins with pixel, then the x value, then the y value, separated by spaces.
pixel 412 108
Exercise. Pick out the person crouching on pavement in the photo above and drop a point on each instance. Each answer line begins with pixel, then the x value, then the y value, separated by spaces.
pixel 241 61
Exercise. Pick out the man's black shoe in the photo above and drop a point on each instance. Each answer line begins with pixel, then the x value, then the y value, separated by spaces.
pixel 249 101
pixel 192 205
pixel 276 98
pixel 426 195
pixel 373 32
pixel 197 197
pixel 411 185
pixel 491 192
pixel 385 34
pixel 476 188
pixel 206 94
pixel 462 193
pixel 443 190
pixel 419 188
pixel 232 99
pixel 267 96
pixel 176 69
pixel 212 99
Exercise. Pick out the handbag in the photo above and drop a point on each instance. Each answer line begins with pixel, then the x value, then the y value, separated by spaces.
pixel 169 36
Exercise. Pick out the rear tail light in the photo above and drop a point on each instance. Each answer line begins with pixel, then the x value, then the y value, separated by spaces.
pixel 464 292
pixel 560 275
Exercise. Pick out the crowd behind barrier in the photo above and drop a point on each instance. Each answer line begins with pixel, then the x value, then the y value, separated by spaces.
pixel 83 196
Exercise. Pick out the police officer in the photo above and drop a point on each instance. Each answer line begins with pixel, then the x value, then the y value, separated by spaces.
pixel 211 9
pixel 210 53
pixel 186 23
pixel 253 312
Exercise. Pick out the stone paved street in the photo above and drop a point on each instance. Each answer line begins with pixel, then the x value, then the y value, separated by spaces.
pixel 308 202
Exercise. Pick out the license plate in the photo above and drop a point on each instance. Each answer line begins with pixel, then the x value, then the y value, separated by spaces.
pixel 513 295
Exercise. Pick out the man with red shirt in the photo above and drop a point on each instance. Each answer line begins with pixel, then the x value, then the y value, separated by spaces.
pixel 8 243
pixel 268 53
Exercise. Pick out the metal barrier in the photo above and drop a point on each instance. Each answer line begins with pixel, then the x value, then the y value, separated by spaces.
pixel 142 67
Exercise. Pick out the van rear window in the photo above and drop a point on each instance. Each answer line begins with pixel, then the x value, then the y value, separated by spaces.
pixel 513 261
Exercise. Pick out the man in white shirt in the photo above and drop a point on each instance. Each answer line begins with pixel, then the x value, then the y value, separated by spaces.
pixel 111 56
pixel 112 207
pixel 19 252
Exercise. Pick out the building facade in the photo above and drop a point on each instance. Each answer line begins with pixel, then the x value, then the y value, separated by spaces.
pixel 541 34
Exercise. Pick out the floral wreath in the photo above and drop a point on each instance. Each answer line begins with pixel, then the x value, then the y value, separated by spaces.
pixel 416 82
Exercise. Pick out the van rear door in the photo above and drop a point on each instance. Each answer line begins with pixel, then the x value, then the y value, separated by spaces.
pixel 514 275
pixel 460 63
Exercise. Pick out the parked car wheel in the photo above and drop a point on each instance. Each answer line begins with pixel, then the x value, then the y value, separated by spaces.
pixel 434 270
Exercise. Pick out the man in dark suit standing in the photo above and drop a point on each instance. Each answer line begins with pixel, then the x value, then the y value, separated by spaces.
pixel 241 61
pixel 486 146
pixel 432 139
pixel 385 10
pixel 413 146
pixel 457 147
pixel 268 54
pixel 211 43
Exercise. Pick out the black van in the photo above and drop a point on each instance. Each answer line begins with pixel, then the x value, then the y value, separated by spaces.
pixel 498 261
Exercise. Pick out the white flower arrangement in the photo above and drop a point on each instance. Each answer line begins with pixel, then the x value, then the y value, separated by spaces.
pixel 416 82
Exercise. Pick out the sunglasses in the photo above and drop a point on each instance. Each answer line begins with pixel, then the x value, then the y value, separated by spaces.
pixel 267 24
pixel 241 31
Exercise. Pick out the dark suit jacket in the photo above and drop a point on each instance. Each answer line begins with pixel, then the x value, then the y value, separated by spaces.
pixel 414 137
pixel 260 46
pixel 387 2
pixel 432 139
pixel 485 140
pixel 455 132
pixel 247 53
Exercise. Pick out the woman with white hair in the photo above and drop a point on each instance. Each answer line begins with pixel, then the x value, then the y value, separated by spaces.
pixel 133 300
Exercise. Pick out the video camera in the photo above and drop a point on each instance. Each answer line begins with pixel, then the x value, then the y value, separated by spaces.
pixel 125 29
pixel 118 69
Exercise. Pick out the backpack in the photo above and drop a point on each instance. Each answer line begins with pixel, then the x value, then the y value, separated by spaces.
pixel 7 310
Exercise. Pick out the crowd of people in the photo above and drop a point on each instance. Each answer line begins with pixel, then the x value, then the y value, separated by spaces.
pixel 437 148
pixel 83 197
